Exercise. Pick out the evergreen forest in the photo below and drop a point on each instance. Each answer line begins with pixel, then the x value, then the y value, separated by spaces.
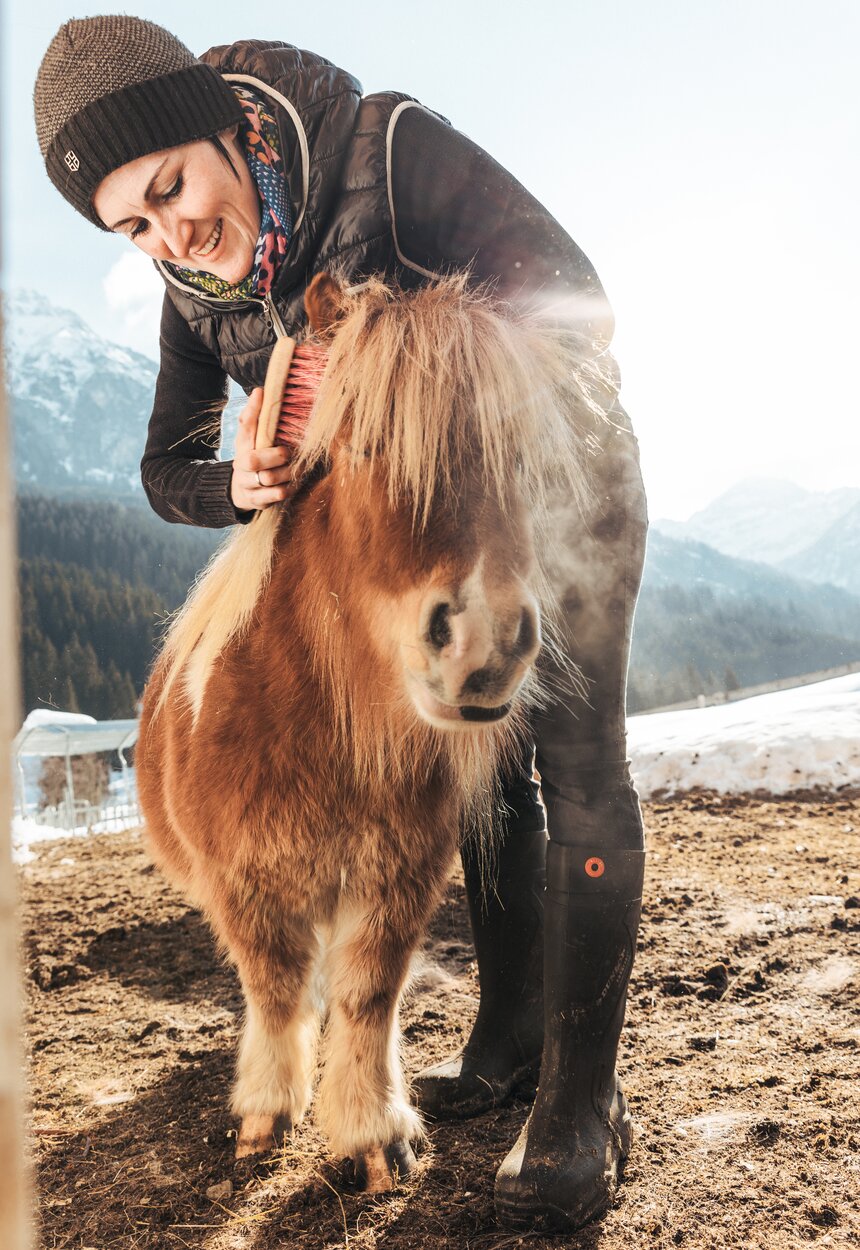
pixel 689 641
pixel 96 583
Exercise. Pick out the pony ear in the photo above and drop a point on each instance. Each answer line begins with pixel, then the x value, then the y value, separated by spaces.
pixel 325 303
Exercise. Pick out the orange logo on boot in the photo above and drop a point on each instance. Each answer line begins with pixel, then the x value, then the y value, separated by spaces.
pixel 595 867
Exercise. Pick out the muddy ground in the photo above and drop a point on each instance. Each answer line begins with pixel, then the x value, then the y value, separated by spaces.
pixel 740 1057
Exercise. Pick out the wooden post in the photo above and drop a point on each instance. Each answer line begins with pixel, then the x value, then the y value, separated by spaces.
pixel 14 1195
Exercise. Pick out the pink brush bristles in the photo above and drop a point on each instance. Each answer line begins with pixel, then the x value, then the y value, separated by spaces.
pixel 306 371
pixel 293 376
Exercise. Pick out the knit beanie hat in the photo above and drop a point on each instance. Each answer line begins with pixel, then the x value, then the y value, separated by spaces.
pixel 111 89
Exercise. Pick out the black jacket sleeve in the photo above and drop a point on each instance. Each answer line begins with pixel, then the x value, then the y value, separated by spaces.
pixel 182 476
pixel 454 207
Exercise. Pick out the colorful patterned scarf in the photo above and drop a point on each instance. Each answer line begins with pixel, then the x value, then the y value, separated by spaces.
pixel 260 143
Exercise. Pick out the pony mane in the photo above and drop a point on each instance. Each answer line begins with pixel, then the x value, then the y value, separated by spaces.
pixel 219 607
pixel 419 383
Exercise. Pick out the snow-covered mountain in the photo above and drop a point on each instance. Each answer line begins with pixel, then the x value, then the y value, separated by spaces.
pixel 80 404
pixel 813 534
pixel 834 556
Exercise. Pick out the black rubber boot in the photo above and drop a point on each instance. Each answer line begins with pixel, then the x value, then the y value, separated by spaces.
pixel 503 1052
pixel 563 1170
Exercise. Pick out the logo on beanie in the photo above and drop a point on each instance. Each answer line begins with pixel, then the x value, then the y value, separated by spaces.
pixel 72 161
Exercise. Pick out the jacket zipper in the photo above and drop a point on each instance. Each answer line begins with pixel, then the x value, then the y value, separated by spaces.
pixel 267 305
pixel 272 317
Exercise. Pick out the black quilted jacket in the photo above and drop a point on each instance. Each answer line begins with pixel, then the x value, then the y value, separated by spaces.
pixel 379 184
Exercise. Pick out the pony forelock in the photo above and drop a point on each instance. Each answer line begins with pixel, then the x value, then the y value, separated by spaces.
pixel 421 382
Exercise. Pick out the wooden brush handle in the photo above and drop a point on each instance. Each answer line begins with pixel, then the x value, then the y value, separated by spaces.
pixel 273 392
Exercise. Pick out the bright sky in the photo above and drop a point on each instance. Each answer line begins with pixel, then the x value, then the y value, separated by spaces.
pixel 703 154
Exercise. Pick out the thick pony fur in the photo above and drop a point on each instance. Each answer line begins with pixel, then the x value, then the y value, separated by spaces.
pixel 336 699
pixel 417 381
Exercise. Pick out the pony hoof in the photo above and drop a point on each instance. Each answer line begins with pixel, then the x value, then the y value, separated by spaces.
pixel 260 1135
pixel 379 1170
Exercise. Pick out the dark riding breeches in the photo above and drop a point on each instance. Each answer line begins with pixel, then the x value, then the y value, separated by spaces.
pixel 580 738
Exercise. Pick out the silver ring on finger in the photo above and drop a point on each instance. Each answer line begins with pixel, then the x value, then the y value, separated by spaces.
pixel 257 476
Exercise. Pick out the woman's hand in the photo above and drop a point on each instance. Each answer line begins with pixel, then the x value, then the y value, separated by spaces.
pixel 260 478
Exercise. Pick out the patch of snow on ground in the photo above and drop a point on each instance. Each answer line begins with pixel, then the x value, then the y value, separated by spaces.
pixel 784 741
pixel 26 831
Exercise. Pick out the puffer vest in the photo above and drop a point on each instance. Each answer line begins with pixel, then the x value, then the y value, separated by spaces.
pixel 334 148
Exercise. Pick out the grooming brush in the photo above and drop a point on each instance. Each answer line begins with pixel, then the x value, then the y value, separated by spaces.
pixel 292 381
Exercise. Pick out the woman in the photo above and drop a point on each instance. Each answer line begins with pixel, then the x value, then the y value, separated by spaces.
pixel 242 174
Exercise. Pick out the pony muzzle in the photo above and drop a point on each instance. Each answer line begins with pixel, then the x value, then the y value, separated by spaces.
pixel 454 716
pixel 474 651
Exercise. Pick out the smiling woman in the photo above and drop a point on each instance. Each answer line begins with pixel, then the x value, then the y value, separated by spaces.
pixel 244 173
pixel 197 206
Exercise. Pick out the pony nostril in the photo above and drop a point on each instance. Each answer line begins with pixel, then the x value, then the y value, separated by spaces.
pixel 527 634
pixel 439 626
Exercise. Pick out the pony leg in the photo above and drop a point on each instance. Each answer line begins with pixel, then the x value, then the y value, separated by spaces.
pixel 274 1074
pixel 277 1052
pixel 363 1107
